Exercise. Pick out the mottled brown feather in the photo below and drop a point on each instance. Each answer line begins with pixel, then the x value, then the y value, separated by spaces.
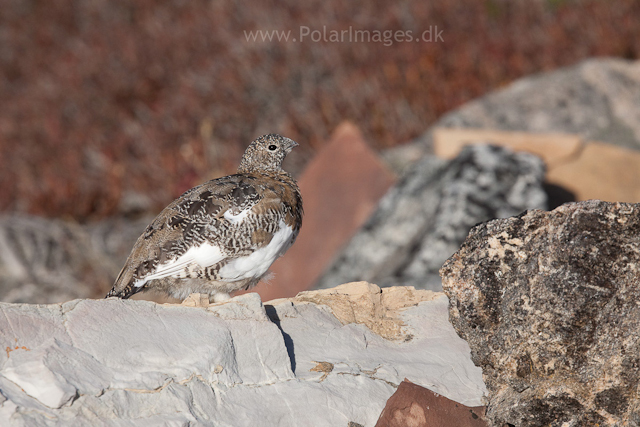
pixel 198 216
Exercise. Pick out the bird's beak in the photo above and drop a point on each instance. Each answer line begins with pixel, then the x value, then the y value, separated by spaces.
pixel 289 144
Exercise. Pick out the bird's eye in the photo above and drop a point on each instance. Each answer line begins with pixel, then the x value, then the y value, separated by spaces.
pixel 272 147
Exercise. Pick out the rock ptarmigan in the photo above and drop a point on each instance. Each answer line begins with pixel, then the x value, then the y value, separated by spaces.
pixel 223 235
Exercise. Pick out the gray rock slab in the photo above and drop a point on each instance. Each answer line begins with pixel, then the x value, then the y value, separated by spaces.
pixel 137 363
pixel 598 99
pixel 45 260
pixel 352 349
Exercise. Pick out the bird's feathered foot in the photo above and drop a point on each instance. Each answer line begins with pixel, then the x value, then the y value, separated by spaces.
pixel 196 300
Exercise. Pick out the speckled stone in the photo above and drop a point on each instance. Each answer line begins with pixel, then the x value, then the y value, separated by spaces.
pixel 548 302
pixel 423 219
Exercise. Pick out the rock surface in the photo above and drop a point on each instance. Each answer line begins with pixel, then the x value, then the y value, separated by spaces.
pixel 241 363
pixel 427 215
pixel 46 260
pixel 586 169
pixel 598 99
pixel 415 406
pixel 548 302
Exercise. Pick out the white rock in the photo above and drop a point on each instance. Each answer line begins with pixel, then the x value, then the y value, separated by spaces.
pixel 434 358
pixel 31 373
pixel 136 363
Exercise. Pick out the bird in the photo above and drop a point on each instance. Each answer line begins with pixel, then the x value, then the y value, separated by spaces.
pixel 220 236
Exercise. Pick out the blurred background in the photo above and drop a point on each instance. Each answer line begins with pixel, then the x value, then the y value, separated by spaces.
pixel 113 109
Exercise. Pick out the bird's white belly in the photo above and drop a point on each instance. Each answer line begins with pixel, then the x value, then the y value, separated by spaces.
pixel 257 264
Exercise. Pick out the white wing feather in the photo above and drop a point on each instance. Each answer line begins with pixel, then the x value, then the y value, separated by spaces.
pixel 204 255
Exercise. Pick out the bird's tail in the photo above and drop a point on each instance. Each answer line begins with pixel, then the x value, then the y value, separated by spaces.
pixel 123 286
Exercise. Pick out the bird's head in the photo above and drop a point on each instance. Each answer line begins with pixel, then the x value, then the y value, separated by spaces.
pixel 266 154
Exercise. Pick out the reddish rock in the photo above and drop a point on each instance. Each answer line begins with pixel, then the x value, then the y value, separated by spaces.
pixel 340 188
pixel 415 406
